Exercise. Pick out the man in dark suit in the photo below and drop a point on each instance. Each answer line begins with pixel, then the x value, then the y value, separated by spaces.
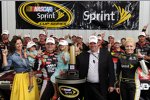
pixel 97 67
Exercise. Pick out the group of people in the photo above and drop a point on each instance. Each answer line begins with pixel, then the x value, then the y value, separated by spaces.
pixel 107 65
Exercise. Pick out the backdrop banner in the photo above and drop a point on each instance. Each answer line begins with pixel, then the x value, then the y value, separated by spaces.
pixel 91 15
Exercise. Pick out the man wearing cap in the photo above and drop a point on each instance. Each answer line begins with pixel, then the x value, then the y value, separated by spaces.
pixel 97 67
pixel 47 64
pixel 81 45
pixel 26 39
pixel 42 40
pixel 111 42
pixel 100 41
pixel 73 39
pixel 144 30
pixel 4 42
pixel 143 46
pixel 101 38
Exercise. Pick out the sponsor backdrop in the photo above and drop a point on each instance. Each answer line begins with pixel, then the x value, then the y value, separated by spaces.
pixel 101 15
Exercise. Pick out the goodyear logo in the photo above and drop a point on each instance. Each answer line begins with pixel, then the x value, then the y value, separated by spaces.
pixel 46 14
pixel 104 16
pixel 68 91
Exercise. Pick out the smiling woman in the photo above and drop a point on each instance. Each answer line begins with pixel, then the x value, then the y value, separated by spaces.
pixel 18 59
pixel 129 47
pixel 127 75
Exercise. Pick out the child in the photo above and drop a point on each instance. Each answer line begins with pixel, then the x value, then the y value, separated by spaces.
pixel 31 53
pixel 63 58
pixel 62 64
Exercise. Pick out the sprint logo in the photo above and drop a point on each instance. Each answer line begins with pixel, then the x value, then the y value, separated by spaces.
pixel 124 15
pixel 106 16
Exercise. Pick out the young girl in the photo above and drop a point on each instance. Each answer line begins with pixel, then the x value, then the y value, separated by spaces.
pixel 63 61
pixel 63 58
pixel 31 54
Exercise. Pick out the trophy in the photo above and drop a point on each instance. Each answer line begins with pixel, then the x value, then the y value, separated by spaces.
pixel 72 72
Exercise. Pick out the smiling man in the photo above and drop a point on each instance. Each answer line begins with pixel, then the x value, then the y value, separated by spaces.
pixel 97 67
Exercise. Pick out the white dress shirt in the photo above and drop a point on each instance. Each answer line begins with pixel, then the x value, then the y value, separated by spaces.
pixel 93 75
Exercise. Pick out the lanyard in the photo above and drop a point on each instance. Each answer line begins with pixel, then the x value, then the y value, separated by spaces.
pixel 95 56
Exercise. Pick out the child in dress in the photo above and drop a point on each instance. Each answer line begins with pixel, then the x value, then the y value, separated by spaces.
pixel 63 58
pixel 31 54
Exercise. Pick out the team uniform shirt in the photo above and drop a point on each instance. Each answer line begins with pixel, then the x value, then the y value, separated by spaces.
pixel 145 50
pixel 128 76
pixel 127 66
pixel 42 46
pixel 47 64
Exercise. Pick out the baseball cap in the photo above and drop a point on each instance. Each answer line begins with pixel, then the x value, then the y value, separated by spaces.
pixel 93 39
pixel 30 44
pixel 5 32
pixel 142 33
pixel 80 36
pixel 50 40
pixel 111 35
pixel 63 42
pixel 73 36
pixel 99 37
pixel 42 32
pixel 27 35
pixel 118 41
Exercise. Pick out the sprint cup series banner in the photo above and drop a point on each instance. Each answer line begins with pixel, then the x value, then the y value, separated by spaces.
pixel 101 15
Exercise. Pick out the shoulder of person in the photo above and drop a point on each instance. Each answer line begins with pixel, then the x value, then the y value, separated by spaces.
pixel 83 53
pixel 104 49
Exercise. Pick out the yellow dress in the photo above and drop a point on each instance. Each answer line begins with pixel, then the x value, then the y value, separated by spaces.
pixel 20 88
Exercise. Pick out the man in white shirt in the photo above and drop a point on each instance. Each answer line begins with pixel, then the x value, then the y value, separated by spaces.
pixel 96 66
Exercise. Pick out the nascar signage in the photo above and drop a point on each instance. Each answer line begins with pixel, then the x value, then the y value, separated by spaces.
pixel 102 15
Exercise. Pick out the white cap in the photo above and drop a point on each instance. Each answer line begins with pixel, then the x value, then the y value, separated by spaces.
pixel 42 32
pixel 80 37
pixel 30 44
pixel 50 40
pixel 118 41
pixel 93 39
pixel 27 35
pixel 142 33
pixel 111 35
pixel 99 37
pixel 63 42
pixel 73 35
pixel 5 32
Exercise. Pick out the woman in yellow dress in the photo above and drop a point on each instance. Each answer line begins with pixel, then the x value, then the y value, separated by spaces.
pixel 18 59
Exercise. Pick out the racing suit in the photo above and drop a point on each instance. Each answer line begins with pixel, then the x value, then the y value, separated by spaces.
pixel 47 64
pixel 128 77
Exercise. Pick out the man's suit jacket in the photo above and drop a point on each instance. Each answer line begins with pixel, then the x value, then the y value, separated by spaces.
pixel 106 68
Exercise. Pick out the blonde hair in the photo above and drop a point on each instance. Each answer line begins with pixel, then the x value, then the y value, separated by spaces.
pixel 130 40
